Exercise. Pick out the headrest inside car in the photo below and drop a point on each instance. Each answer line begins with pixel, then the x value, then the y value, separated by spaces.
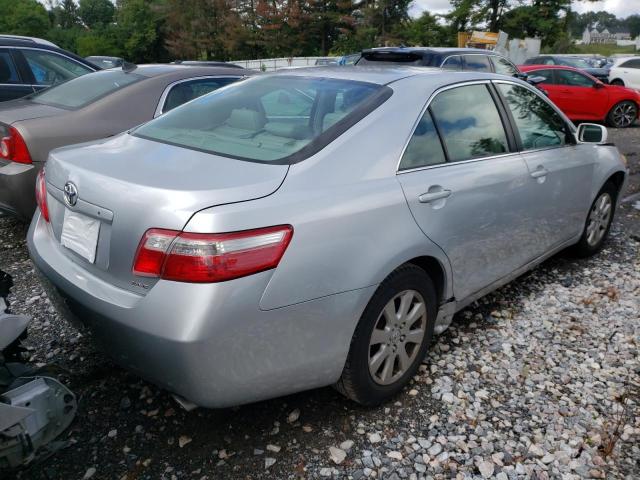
pixel 288 130
pixel 246 119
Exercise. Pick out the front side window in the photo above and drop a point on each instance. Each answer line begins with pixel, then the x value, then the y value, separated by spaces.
pixel 424 148
pixel 477 63
pixel 8 71
pixel 272 119
pixel 184 92
pixel 50 68
pixel 547 74
pixel 573 79
pixel 538 124
pixel 84 90
pixel 469 123
pixel 453 63
pixel 548 61
pixel 633 63
pixel 504 66
pixel 575 62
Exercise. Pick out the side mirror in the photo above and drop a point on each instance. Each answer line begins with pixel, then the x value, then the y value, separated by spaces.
pixel 591 133
pixel 598 85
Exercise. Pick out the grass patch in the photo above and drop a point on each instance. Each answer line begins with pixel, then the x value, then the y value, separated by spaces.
pixel 604 49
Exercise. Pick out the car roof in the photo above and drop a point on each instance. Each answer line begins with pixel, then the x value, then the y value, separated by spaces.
pixel 156 70
pixel 388 74
pixel 441 50
pixel 29 40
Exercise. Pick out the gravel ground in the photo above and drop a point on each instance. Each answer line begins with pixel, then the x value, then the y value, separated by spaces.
pixel 529 382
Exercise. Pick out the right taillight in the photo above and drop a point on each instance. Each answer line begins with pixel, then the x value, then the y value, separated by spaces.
pixel 14 148
pixel 41 195
pixel 210 257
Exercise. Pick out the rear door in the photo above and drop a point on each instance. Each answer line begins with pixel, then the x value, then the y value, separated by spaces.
pixel 559 170
pixel 12 85
pixel 631 73
pixel 466 186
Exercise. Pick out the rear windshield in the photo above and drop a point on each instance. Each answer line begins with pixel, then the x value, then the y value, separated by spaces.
pixel 575 62
pixel 271 119
pixel 84 90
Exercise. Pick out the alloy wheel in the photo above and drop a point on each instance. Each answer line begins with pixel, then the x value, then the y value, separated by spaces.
pixel 397 336
pixel 624 114
pixel 599 218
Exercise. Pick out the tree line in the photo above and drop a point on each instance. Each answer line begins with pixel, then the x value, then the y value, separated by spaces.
pixel 145 31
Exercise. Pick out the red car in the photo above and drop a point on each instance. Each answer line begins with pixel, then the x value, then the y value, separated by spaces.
pixel 582 97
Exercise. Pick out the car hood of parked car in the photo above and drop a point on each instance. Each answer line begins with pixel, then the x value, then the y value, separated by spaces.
pixel 24 109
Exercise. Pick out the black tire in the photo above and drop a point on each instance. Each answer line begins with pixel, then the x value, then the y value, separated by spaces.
pixel 356 381
pixel 617 82
pixel 622 114
pixel 585 248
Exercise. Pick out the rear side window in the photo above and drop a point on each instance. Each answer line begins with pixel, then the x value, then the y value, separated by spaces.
pixel 504 66
pixel 84 90
pixel 184 92
pixel 477 63
pixel 8 72
pixel 469 123
pixel 424 148
pixel 272 119
pixel 453 63
pixel 538 124
pixel 50 68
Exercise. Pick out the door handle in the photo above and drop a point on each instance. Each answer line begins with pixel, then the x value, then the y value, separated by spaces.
pixel 540 172
pixel 433 196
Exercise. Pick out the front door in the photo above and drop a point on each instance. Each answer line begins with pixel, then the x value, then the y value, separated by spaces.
pixel 555 165
pixel 466 187
pixel 577 93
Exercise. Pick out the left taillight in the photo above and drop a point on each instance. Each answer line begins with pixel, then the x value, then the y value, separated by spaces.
pixel 13 147
pixel 208 258
pixel 41 195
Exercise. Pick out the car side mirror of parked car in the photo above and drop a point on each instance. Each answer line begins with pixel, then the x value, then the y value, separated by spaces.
pixel 591 133
pixel 598 85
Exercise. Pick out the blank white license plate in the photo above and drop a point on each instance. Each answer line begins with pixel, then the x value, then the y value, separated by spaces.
pixel 80 234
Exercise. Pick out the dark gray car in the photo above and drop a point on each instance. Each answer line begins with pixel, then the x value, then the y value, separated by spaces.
pixel 91 107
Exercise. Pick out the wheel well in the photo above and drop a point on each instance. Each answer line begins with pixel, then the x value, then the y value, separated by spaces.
pixel 617 179
pixel 435 271
pixel 617 80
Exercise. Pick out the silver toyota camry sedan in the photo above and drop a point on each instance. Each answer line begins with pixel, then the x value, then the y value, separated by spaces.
pixel 315 227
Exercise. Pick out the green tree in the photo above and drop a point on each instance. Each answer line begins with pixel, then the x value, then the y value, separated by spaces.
pixel 140 31
pixel 23 17
pixel 96 13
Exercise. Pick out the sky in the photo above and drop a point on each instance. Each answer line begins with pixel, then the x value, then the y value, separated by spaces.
pixel 620 8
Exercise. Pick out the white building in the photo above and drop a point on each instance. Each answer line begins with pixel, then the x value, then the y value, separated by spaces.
pixel 605 35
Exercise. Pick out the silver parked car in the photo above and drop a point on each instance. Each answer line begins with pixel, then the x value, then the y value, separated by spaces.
pixel 90 107
pixel 316 226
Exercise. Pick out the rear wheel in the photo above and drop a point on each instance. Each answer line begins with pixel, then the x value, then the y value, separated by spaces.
pixel 623 114
pixel 617 82
pixel 598 222
pixel 391 338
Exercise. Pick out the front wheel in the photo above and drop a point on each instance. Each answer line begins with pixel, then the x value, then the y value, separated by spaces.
pixel 617 82
pixel 391 338
pixel 598 222
pixel 623 114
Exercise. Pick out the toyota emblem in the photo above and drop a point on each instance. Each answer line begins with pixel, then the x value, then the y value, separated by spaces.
pixel 70 194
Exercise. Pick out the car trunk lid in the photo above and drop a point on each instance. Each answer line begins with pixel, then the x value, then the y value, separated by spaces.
pixel 130 185
pixel 24 109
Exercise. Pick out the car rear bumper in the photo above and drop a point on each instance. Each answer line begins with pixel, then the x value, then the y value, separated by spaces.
pixel 209 343
pixel 17 187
